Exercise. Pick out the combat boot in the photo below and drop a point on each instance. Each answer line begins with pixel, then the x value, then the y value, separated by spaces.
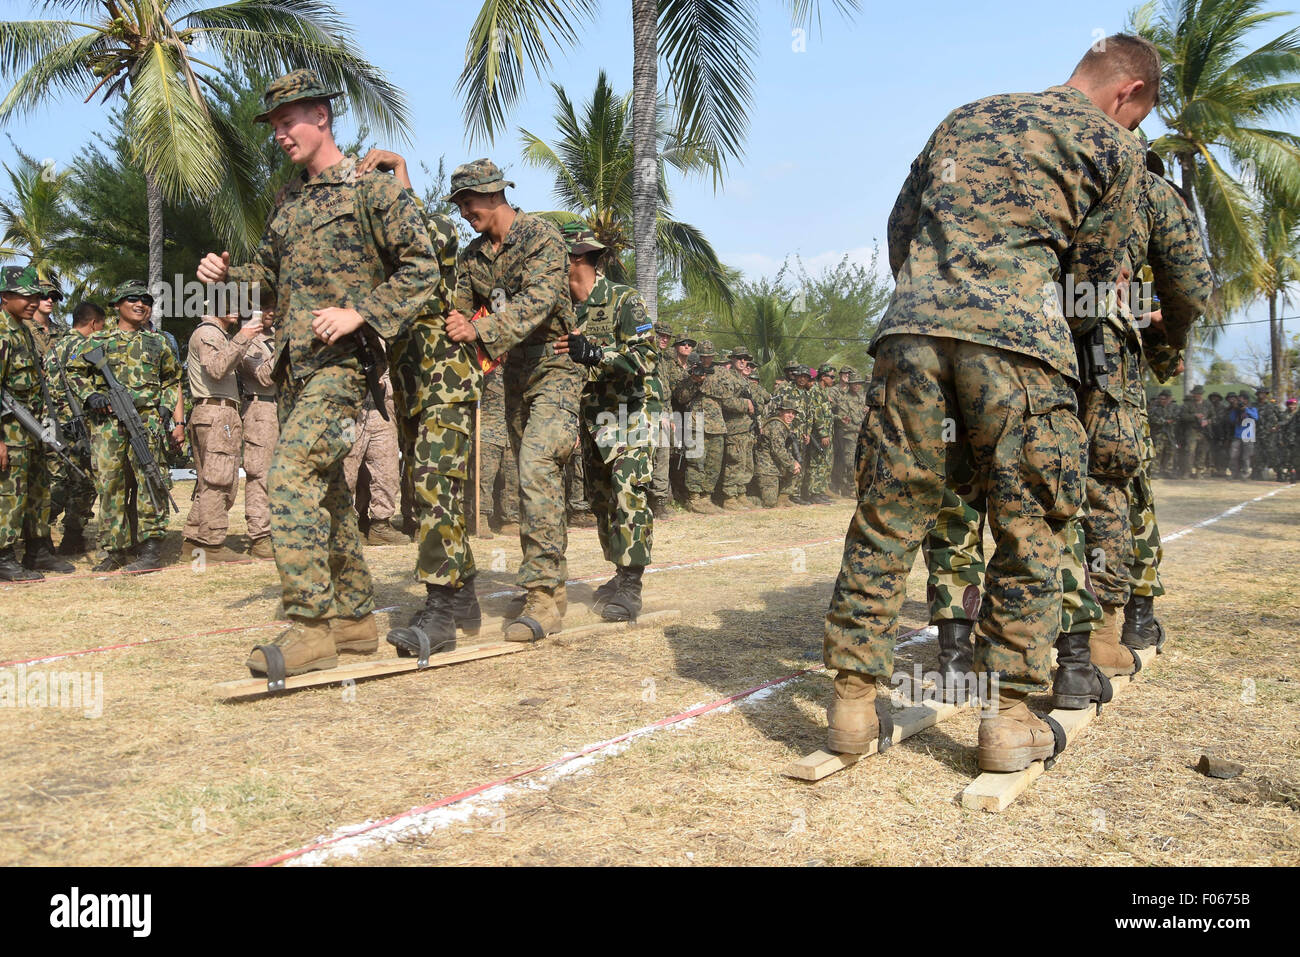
pixel 783 501
pixel 625 603
pixel 355 635
pixel 305 646
pixel 148 558
pixel 261 549
pixel 1078 684
pixel 12 571
pixel 852 723
pixel 74 540
pixel 660 508
pixel 603 593
pixel 1141 629
pixel 484 531
pixel 1110 657
pixel 509 528
pixel 1015 737
pixel 701 505
pixel 210 554
pixel 540 617
pixel 39 557
pixel 820 498
pixel 734 504
pixel 382 533
pixel 465 608
pixel 956 657
pixel 432 629
pixel 113 561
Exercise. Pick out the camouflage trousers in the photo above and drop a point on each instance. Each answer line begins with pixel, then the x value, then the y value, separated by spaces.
pixel 118 474
pixel 816 472
pixel 1108 539
pixel 737 463
pixel 575 479
pixel 24 495
pixel 1144 571
pixel 1017 426
pixel 661 488
pixel 542 417
pixel 318 549
pixel 1166 455
pixel 376 448
pixel 261 429
pixel 435 452
pixel 619 470
pixel 216 435
pixel 498 462
pixel 70 495
pixel 703 470
pixel 771 486
pixel 844 445
pixel 1081 612
pixel 1196 455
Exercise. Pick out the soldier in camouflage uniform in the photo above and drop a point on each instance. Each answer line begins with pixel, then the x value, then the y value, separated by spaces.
pixel 700 402
pixel 144 364
pixel 1194 431
pixel 776 465
pixel 659 404
pixel 738 410
pixel 24 468
pixel 818 453
pixel 849 406
pixel 516 268
pixel 73 496
pixel 792 392
pixel 1011 193
pixel 615 345
pixel 346 260
pixel 1163 416
pixel 261 429
pixel 375 445
pixel 1268 443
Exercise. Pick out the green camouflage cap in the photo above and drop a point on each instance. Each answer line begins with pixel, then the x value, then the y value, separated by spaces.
pixel 856 379
pixel 792 367
pixel 1198 390
pixel 50 289
pixel 290 88
pixel 663 329
pixel 724 356
pixel 132 287
pixel 848 369
pixel 685 341
pixel 784 404
pixel 20 279
pixel 706 348
pixel 1263 390
pixel 825 370
pixel 740 352
pixel 580 239
pixel 1165 392
pixel 480 176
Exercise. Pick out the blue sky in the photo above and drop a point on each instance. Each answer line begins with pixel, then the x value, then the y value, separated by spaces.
pixel 833 128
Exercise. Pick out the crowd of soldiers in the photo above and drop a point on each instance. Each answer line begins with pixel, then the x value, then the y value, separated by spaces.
pixel 1242 435
pixel 989 403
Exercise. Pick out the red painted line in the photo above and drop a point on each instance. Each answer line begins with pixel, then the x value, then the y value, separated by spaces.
pixel 564 759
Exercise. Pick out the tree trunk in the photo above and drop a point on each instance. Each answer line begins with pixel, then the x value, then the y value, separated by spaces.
pixel 1276 346
pixel 645 187
pixel 155 199
pixel 1186 163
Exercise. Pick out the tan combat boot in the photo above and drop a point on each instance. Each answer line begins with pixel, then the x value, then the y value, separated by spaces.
pixel 701 505
pixel 355 635
pixel 737 503
pixel 210 554
pixel 261 549
pixel 509 528
pixel 783 501
pixel 1015 737
pixel 851 722
pixel 383 533
pixel 540 617
pixel 1111 657
pixel 306 646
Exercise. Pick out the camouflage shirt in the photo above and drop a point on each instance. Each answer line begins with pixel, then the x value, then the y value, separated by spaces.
pixel 614 318
pixel 492 411
pixel 141 361
pixel 773 452
pixel 56 365
pixel 20 376
pixel 732 393
pixel 343 240
pixel 46 338
pixel 1011 193
pixel 697 399
pixel 524 285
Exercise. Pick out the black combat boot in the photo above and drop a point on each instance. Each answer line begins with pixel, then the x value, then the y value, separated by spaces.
pixel 625 603
pixel 606 591
pixel 148 558
pixel 113 561
pixel 956 657
pixel 465 608
pixel 1078 683
pixel 432 628
pixel 12 571
pixel 40 557
pixel 74 539
pixel 1141 630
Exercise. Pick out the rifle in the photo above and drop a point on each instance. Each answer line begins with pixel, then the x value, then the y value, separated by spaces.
pixel 1094 369
pixel 47 435
pixel 123 407
pixel 80 434
pixel 371 370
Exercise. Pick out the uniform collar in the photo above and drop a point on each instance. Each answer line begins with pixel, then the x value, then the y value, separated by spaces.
pixel 601 293
pixel 344 171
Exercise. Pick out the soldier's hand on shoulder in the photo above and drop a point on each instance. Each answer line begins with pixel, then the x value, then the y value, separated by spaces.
pixel 4 457
pixel 385 161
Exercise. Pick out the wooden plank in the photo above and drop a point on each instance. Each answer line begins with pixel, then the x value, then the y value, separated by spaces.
pixel 383 667
pixel 996 791
pixel 911 720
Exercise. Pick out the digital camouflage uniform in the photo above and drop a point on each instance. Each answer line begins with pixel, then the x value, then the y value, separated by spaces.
pixel 1194 427
pixel 375 445
pixel 849 410
pixel 658 397
pixel 738 451
pixel 436 384
pixel 496 459
pixel 618 444
pixel 699 401
pixel 1162 418
pixel 1010 191
pixel 343 240
pixel 72 496
pixel 775 463
pixel 524 286
pixel 25 484
pixel 1269 446
pixel 818 460
pixel 146 367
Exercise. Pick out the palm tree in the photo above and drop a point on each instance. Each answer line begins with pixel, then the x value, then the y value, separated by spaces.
pixel 35 218
pixel 707 47
pixel 150 56
pixel 1219 100
pixel 596 180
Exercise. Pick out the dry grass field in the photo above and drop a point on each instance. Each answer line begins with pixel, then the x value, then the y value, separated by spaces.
pixel 165 773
